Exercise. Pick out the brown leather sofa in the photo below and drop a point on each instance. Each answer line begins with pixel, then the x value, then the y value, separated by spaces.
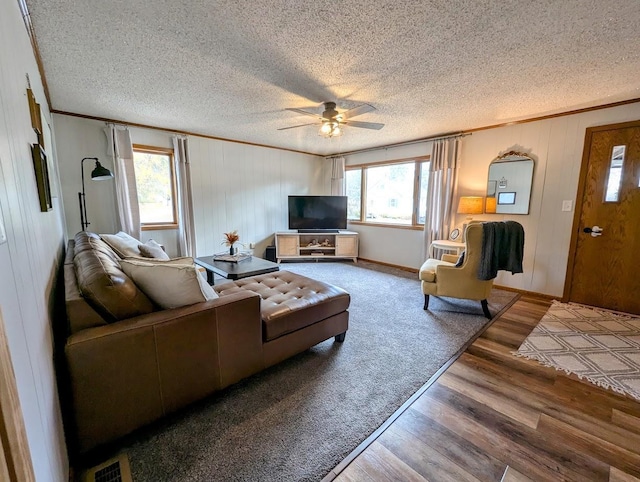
pixel 131 363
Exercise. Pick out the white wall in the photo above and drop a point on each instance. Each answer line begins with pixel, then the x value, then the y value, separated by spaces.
pixel 29 260
pixel 235 186
pixel 557 145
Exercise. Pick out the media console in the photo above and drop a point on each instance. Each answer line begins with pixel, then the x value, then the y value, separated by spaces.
pixel 294 245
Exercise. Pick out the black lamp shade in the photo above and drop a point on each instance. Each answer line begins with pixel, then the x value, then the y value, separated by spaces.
pixel 100 173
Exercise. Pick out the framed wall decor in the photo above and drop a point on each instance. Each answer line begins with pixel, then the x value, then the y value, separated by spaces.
pixel 506 198
pixel 36 118
pixel 42 177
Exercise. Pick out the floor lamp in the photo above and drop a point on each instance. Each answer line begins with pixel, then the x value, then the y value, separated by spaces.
pixel 99 173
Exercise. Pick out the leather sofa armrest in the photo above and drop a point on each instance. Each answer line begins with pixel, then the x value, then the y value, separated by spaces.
pixel 127 374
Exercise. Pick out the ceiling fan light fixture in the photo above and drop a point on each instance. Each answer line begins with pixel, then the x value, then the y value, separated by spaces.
pixel 326 129
pixel 331 121
pixel 330 129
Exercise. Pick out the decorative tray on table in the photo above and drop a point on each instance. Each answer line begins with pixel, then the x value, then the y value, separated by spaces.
pixel 232 258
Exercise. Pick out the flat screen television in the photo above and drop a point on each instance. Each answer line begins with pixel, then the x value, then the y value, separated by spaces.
pixel 317 213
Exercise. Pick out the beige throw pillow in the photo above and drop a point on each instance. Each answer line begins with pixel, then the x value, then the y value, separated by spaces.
pixel 183 260
pixel 169 285
pixel 151 249
pixel 123 244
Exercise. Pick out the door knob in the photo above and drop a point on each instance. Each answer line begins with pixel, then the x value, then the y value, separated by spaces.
pixel 594 231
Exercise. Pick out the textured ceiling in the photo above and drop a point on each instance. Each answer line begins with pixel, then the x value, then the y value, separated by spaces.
pixel 229 68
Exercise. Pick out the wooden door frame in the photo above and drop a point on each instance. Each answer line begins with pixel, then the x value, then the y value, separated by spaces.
pixel 15 457
pixel 575 229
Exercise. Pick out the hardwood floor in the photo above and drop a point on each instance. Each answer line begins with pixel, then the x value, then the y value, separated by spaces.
pixel 492 416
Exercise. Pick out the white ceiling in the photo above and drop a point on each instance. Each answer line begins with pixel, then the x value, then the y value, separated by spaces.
pixel 229 68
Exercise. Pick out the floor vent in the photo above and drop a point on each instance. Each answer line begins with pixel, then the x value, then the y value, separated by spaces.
pixel 113 470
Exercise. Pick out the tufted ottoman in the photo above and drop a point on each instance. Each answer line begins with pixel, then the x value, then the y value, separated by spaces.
pixel 297 312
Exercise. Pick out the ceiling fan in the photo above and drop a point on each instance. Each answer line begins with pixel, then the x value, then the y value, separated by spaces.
pixel 331 121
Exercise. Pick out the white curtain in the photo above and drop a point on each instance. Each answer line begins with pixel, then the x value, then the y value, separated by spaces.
pixel 121 149
pixel 337 176
pixel 441 190
pixel 186 226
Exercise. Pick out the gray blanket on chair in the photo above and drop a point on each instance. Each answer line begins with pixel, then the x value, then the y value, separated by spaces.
pixel 502 248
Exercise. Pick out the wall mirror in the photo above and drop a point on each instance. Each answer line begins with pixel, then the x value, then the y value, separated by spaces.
pixel 509 184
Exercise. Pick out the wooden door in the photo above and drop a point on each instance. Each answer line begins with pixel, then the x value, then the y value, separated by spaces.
pixel 606 265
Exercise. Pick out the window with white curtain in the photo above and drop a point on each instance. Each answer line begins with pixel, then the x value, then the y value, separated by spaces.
pixel 156 187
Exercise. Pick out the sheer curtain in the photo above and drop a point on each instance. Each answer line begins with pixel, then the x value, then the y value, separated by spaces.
pixel 120 148
pixel 186 226
pixel 441 190
pixel 337 175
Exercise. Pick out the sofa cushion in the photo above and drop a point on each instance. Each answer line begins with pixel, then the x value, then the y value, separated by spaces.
pixel 151 249
pixel 103 284
pixel 290 301
pixel 86 240
pixel 123 244
pixel 169 285
pixel 182 260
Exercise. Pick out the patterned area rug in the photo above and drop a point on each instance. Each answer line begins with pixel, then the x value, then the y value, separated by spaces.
pixel 600 346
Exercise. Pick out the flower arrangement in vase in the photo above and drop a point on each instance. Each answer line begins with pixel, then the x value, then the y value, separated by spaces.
pixel 230 239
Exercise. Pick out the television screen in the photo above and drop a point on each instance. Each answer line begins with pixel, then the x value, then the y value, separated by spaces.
pixel 317 212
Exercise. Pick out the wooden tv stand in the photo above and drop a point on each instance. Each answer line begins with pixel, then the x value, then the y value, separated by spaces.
pixel 294 245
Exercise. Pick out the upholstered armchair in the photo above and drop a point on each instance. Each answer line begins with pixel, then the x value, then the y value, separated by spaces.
pixel 444 278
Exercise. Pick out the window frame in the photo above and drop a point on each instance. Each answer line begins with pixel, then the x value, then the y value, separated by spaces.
pixel 174 188
pixel 415 225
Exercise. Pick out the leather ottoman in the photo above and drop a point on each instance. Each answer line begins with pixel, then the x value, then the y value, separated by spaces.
pixel 292 303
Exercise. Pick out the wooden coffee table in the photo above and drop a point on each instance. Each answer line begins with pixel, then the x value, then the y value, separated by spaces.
pixel 234 271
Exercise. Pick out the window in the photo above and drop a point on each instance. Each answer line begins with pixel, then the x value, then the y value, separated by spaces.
pixel 155 183
pixel 614 180
pixel 391 193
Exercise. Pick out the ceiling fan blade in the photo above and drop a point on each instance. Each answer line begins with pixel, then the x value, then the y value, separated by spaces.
pixel 293 127
pixel 365 125
pixel 361 109
pixel 304 112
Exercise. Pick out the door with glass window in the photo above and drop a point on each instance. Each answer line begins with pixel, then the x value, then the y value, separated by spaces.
pixel 606 266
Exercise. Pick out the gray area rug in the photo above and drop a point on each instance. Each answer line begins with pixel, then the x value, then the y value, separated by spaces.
pixel 298 420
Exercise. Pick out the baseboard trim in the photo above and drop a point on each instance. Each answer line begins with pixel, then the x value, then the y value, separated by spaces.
pixel 390 265
pixel 531 294
pixel 379 431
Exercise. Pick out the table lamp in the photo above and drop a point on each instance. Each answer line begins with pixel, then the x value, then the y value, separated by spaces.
pixel 490 205
pixel 470 205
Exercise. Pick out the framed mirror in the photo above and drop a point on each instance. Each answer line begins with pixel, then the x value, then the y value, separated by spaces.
pixel 509 184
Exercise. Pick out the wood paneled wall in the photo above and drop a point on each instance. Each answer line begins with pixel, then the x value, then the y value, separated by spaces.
pixel 30 258
pixel 556 144
pixel 243 187
pixel 235 186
